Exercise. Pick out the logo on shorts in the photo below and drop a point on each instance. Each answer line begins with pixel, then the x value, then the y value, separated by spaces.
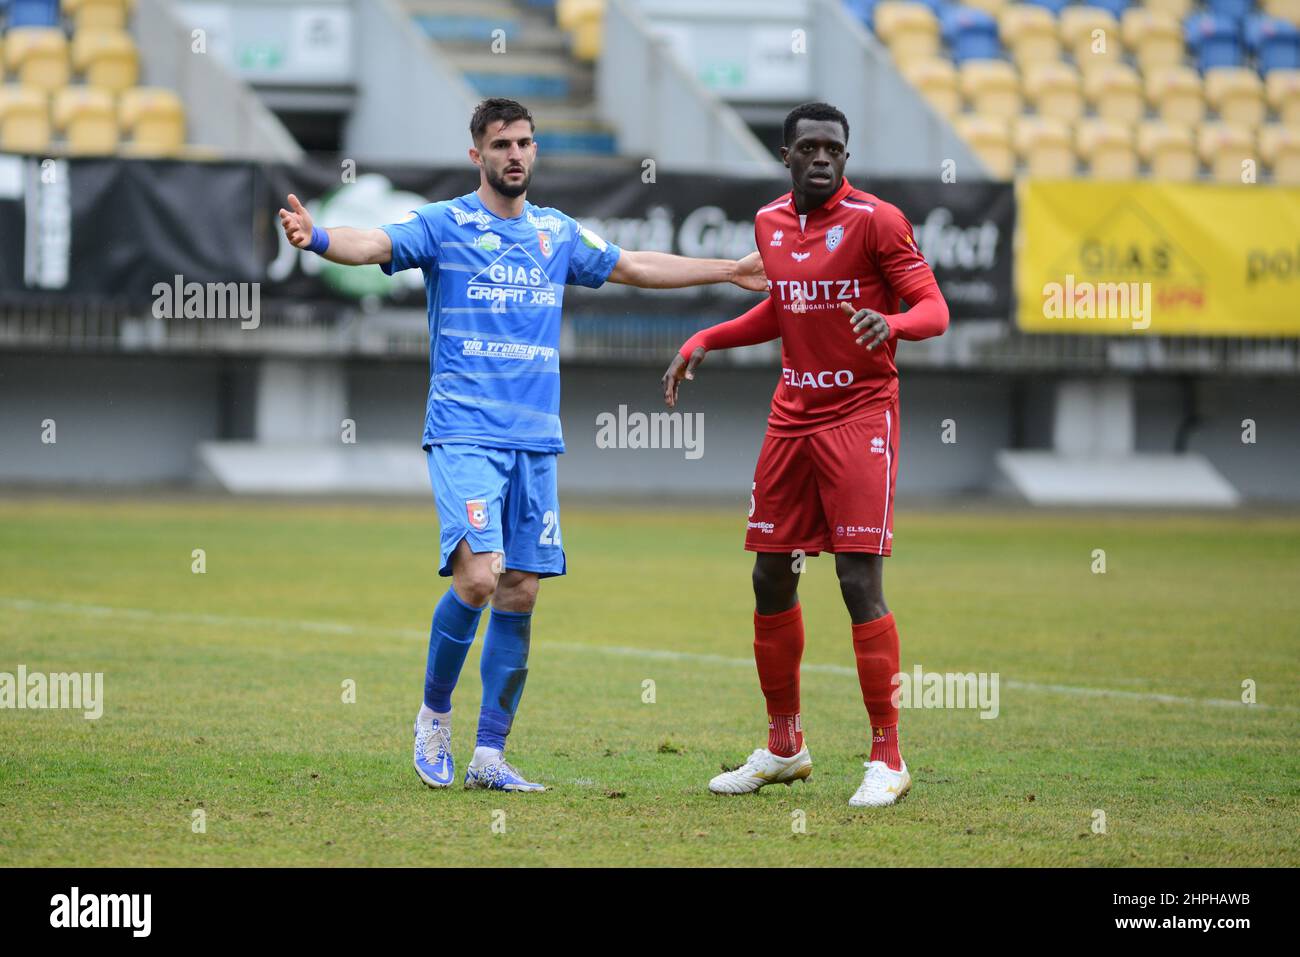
pixel 878 445
pixel 476 511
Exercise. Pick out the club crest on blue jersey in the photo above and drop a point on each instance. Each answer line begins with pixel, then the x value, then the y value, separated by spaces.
pixel 477 513
pixel 833 237
pixel 544 241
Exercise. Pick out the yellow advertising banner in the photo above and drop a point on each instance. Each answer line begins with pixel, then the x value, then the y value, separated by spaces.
pixel 1151 258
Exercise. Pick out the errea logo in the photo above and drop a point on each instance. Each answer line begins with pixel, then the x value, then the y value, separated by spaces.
pixel 777 237
pixel 878 445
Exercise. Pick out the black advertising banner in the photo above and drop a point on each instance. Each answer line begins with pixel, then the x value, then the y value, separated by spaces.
pixel 110 230
pixel 113 229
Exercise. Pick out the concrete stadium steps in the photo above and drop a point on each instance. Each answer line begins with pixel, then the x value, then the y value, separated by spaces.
pixel 1137 479
pixel 535 67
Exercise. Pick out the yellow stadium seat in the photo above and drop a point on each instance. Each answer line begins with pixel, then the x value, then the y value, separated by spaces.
pixel 910 30
pixel 1279 147
pixel 1237 93
pixel 991 142
pixel 1283 9
pixel 588 36
pixel 1108 149
pixel 39 55
pixel 1175 8
pixel 24 120
pixel 1046 146
pixel 991 87
pixel 568 13
pixel 96 14
pixel 1155 38
pixel 1115 91
pixel 1029 32
pixel 936 80
pixel 1054 89
pixel 1092 35
pixel 1176 94
pixel 1170 151
pixel 108 59
pixel 86 117
pixel 155 120
pixel 1282 88
pixel 991 7
pixel 1225 149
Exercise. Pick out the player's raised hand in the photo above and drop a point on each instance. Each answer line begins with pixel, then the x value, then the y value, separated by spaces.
pixel 874 327
pixel 296 222
pixel 750 274
pixel 678 370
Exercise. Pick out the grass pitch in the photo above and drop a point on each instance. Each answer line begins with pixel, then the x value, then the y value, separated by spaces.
pixel 1120 693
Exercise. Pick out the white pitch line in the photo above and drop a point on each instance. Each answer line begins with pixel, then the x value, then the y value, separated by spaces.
pixel 648 654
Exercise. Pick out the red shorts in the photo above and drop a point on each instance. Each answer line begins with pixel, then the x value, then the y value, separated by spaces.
pixel 831 491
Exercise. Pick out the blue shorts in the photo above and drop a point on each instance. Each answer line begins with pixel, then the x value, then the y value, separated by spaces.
pixel 499 500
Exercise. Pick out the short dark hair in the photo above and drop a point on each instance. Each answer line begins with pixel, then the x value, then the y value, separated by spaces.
pixel 497 108
pixel 812 111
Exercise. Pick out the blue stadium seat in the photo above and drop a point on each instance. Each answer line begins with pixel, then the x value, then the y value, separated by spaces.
pixel 1275 42
pixel 33 13
pixel 971 34
pixel 863 10
pixel 1215 41
pixel 1056 6
pixel 1232 9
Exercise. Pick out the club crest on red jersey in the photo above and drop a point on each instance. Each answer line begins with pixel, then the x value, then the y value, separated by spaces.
pixel 544 240
pixel 833 237
pixel 477 513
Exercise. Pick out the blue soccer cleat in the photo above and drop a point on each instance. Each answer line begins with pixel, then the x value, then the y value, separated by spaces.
pixel 498 775
pixel 433 761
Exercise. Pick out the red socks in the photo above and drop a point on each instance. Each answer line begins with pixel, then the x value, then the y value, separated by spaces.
pixel 778 649
pixel 875 643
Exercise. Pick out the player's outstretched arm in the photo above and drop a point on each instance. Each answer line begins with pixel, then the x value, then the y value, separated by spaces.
pixel 757 325
pixel 341 244
pixel 651 270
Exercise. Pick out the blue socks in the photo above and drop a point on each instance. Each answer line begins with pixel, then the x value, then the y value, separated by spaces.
pixel 454 625
pixel 504 668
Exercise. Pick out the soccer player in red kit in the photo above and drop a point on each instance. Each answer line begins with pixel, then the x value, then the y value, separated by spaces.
pixel 838 262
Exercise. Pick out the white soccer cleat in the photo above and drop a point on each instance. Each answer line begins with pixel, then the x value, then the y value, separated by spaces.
pixel 763 768
pixel 881 786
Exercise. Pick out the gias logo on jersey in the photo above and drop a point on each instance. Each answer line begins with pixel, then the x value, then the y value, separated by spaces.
pixel 477 513
pixel 513 277
pixel 833 237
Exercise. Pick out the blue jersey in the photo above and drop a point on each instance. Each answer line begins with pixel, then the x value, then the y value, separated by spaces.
pixel 495 289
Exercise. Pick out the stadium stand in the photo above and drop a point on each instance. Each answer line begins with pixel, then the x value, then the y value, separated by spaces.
pixel 552 47
pixel 73 70
pixel 1167 88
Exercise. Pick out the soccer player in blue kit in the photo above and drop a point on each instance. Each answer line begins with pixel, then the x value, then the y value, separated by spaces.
pixel 495 267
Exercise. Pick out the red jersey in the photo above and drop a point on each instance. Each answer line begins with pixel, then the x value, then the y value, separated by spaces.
pixel 854 248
